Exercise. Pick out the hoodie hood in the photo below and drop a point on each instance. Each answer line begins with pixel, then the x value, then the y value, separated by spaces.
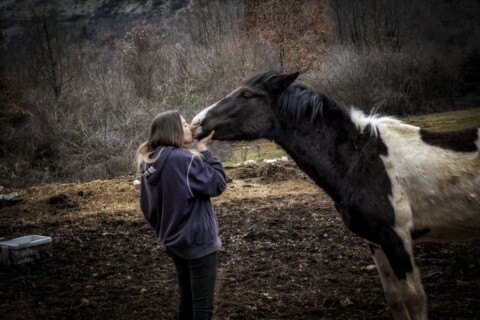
pixel 153 171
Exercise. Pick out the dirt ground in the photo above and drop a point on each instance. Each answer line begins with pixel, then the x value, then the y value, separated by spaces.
pixel 285 255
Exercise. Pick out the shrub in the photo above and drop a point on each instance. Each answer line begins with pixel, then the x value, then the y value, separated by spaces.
pixel 397 82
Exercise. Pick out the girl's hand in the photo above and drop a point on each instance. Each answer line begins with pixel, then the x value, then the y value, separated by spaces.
pixel 202 144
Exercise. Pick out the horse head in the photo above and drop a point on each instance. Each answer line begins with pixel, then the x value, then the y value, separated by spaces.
pixel 246 113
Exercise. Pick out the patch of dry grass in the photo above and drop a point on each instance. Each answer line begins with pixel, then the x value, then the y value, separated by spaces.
pixel 445 121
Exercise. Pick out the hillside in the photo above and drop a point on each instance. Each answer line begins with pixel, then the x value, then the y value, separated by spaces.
pixel 90 14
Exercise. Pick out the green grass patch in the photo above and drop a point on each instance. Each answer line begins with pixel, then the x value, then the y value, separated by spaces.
pixel 445 121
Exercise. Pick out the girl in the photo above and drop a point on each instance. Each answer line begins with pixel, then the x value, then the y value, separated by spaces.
pixel 175 192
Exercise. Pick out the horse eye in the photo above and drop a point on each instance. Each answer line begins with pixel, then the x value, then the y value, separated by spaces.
pixel 247 94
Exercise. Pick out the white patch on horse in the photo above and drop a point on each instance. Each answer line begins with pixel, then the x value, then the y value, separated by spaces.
pixel 432 188
pixel 199 118
pixel 398 292
pixel 362 121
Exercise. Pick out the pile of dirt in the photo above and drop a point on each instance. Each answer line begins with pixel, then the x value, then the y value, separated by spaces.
pixel 285 255
pixel 62 201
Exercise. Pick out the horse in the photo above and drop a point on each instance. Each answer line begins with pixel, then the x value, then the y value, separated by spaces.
pixel 391 182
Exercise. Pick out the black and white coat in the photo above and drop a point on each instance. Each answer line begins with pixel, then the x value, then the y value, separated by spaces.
pixel 391 182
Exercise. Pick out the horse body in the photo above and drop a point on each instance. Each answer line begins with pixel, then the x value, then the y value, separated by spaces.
pixel 391 182
pixel 441 186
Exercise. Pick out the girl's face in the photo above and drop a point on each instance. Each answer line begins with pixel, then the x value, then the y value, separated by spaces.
pixel 187 133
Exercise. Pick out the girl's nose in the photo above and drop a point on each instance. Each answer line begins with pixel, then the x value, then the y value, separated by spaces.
pixel 193 128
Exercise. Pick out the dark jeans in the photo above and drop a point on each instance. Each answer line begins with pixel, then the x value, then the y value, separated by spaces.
pixel 196 281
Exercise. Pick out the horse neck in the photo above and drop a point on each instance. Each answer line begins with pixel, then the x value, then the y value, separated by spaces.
pixel 324 148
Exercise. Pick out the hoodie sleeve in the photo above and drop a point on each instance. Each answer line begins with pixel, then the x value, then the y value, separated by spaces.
pixel 206 177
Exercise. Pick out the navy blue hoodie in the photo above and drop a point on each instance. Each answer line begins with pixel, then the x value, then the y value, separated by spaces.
pixel 175 199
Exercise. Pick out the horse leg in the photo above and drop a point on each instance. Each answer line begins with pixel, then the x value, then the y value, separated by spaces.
pixel 416 299
pixel 390 284
pixel 400 277
pixel 412 288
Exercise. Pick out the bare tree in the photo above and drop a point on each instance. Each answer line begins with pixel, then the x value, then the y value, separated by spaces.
pixel 298 29
pixel 371 23
pixel 50 62
pixel 140 60
pixel 207 21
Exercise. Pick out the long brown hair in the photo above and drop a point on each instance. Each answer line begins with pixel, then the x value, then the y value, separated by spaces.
pixel 166 130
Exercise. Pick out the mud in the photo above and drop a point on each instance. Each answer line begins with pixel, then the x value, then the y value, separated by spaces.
pixel 285 255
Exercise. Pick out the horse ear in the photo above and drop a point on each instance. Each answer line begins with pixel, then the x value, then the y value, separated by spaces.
pixel 282 81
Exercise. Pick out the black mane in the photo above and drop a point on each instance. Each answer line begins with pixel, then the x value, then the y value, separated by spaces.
pixel 297 101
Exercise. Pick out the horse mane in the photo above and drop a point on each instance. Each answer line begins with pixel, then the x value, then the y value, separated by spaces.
pixel 299 101
pixel 372 120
